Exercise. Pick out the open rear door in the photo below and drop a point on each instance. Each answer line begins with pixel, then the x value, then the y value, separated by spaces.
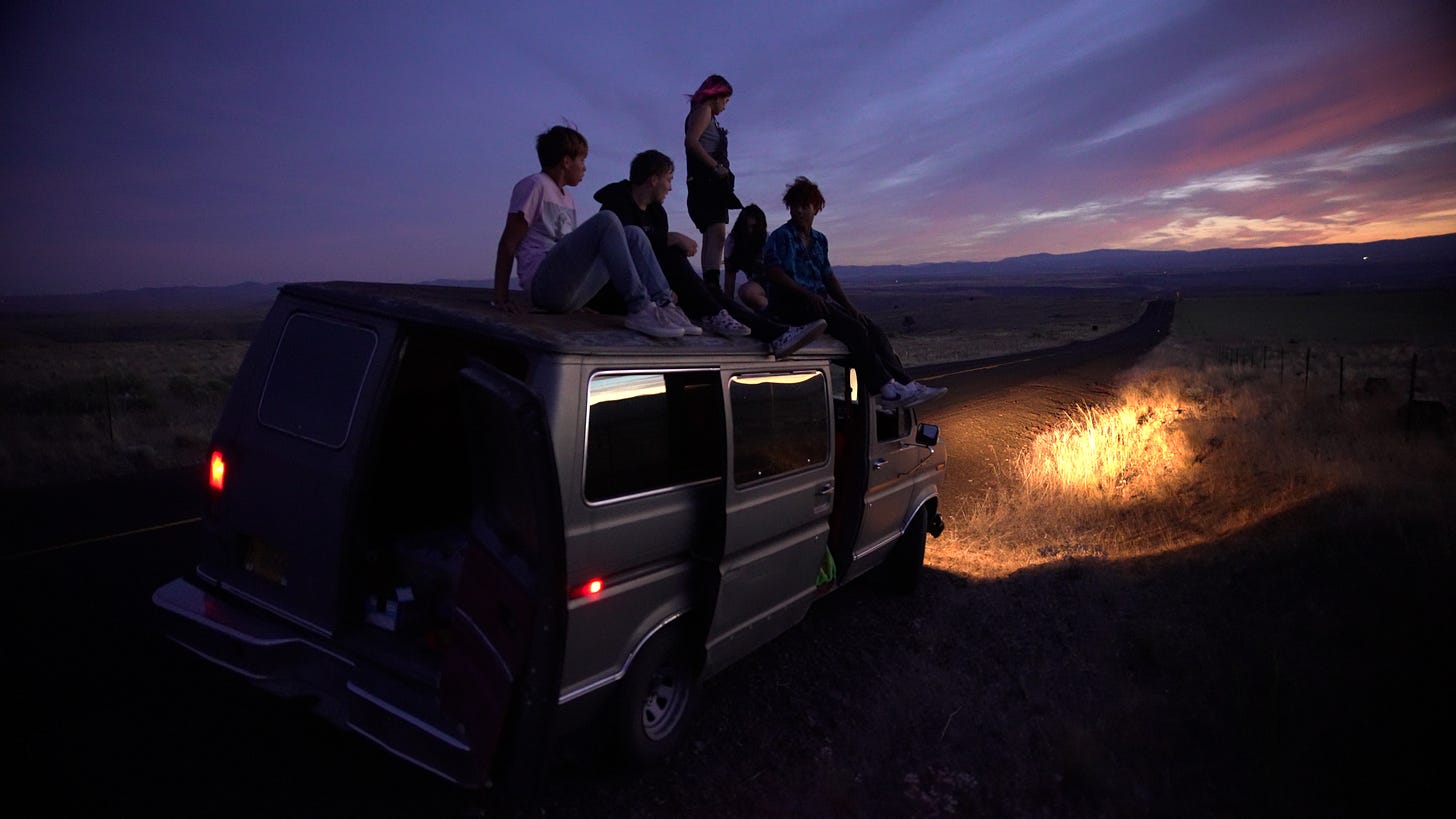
pixel 502 671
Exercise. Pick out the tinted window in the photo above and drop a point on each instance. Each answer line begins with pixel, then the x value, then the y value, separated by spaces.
pixel 313 385
pixel 650 431
pixel 780 424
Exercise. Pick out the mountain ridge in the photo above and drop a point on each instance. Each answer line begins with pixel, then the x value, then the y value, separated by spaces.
pixel 1427 261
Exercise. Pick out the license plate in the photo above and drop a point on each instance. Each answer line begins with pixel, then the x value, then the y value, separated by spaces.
pixel 266 561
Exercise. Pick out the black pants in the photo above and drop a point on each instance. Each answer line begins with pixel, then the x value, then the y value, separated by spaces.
pixel 868 345
pixel 696 298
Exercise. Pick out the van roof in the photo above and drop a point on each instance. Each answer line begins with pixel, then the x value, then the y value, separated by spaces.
pixel 468 310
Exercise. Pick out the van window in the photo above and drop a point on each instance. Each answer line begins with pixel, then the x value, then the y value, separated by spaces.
pixel 317 374
pixel 891 426
pixel 647 431
pixel 780 424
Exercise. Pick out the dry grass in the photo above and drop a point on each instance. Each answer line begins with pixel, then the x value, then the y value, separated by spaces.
pixel 1191 451
pixel 89 396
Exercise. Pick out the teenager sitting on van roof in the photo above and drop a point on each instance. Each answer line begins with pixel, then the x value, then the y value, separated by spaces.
pixel 637 202
pixel 562 266
pixel 803 287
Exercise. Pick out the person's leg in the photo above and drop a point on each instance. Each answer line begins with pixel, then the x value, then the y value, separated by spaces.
pixel 848 329
pixel 583 261
pixel 760 327
pixel 649 272
pixel 752 295
pixel 692 296
pixel 886 352
pixel 714 237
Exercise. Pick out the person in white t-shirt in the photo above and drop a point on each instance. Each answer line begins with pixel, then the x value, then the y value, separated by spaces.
pixel 561 265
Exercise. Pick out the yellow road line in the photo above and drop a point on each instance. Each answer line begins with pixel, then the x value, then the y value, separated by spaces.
pixel 100 538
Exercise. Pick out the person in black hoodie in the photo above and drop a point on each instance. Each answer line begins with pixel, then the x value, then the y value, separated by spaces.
pixel 637 201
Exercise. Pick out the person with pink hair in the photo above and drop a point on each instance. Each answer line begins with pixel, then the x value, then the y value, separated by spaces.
pixel 710 179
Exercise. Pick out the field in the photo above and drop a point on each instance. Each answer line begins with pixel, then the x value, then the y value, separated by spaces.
pixel 88 395
pixel 92 395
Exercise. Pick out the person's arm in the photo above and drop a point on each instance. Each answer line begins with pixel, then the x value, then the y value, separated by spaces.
pixel 784 283
pixel 698 120
pixel 682 242
pixel 505 256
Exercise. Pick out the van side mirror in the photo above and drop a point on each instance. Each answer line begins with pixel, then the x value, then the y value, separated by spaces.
pixel 927 435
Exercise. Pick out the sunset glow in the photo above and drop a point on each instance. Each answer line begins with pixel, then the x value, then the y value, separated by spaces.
pixel 213 143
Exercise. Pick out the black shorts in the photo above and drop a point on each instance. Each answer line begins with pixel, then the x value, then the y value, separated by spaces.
pixel 710 199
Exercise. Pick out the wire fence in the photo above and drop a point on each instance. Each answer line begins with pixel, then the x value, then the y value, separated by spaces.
pixel 1420 382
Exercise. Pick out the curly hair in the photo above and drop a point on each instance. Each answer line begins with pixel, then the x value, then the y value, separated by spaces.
pixel 803 192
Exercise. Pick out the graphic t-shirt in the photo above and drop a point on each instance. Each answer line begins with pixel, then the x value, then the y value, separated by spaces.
pixel 550 214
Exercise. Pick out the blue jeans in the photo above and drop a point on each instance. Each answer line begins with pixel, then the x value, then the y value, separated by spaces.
pixel 600 250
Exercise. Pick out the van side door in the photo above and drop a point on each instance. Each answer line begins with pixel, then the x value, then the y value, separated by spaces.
pixel 502 669
pixel 779 492
pixel 893 461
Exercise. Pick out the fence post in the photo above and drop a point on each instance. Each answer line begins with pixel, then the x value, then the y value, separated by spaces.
pixel 1410 397
pixel 110 428
pixel 1306 372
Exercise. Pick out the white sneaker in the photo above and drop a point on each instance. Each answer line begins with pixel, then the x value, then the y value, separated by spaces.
pixel 794 338
pixel 725 325
pixel 678 317
pixel 650 320
pixel 896 396
pixel 926 392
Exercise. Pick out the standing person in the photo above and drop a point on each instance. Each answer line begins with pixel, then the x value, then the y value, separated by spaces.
pixel 744 251
pixel 562 266
pixel 802 286
pixel 710 179
pixel 637 203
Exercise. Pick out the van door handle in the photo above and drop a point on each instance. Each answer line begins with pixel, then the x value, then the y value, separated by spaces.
pixel 879 462
pixel 826 489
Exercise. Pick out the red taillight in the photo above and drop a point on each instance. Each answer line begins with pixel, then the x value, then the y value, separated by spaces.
pixel 589 588
pixel 215 471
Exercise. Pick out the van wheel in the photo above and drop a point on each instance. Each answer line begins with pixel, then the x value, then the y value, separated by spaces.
pixel 656 700
pixel 901 572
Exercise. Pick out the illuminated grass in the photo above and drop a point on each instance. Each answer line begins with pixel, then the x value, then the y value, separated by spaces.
pixel 1189 451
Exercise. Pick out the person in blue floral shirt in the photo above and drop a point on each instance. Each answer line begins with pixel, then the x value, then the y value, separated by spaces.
pixel 802 287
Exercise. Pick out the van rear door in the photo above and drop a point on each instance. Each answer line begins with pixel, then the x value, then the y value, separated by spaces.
pixel 501 675
pixel 294 439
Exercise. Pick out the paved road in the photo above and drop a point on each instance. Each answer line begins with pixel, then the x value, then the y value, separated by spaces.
pixel 107 718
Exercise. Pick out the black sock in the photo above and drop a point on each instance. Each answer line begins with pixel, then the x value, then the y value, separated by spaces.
pixel 710 278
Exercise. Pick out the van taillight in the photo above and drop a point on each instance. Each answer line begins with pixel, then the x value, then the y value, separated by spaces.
pixel 215 471
pixel 588 589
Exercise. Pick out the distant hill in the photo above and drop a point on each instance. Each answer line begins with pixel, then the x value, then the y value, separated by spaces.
pixel 146 298
pixel 1426 262
pixel 1422 262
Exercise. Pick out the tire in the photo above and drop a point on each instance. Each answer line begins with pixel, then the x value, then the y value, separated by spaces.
pixel 901 572
pixel 655 702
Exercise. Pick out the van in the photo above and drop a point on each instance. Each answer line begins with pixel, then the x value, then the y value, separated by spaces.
pixel 462 532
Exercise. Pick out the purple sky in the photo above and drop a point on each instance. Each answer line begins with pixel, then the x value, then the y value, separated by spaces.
pixel 164 143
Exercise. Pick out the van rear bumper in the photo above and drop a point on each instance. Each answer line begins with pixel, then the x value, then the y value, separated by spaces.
pixel 402 717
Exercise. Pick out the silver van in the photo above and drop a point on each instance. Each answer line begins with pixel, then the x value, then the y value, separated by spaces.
pixel 463 532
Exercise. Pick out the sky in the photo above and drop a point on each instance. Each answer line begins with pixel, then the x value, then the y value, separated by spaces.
pixel 209 143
